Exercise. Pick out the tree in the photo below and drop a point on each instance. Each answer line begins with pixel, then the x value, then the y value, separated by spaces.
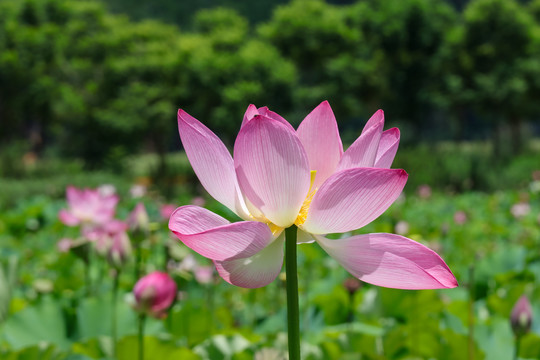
pixel 495 67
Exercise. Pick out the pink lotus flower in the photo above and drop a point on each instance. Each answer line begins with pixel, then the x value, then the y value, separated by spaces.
pixel 154 294
pixel 102 235
pixel 280 177
pixel 87 206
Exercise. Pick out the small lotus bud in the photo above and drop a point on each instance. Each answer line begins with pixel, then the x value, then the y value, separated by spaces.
pixel 154 294
pixel 352 285
pixel 138 220
pixel 521 316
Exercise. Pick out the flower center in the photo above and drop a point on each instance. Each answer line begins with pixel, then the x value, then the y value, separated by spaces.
pixel 302 215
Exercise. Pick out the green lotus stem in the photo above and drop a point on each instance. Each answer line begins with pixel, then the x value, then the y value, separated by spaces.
pixel 471 314
pixel 142 318
pixel 517 346
pixel 293 312
pixel 114 334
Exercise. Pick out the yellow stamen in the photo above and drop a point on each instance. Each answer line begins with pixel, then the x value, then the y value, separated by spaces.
pixel 302 215
pixel 274 228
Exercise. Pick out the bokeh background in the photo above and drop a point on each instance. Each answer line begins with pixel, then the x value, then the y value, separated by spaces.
pixel 88 96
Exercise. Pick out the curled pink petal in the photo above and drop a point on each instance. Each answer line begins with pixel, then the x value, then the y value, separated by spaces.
pixel 387 148
pixel 363 152
pixel 250 113
pixel 68 218
pixel 211 162
pixel 255 271
pixel 319 135
pixel 272 169
pixel 391 261
pixel 351 199
pixel 214 237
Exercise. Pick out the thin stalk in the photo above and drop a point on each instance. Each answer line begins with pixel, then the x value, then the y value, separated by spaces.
pixel 138 259
pixel 516 348
pixel 471 314
pixel 87 279
pixel 142 318
pixel 293 312
pixel 114 333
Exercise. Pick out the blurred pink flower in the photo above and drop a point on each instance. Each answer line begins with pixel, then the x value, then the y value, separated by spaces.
pixel 107 189
pixel 87 206
pixel 166 210
pixel 520 210
pixel 118 248
pixel 460 217
pixel 188 264
pixel 102 235
pixel 521 316
pixel 137 191
pixel 281 177
pixel 402 228
pixel 204 274
pixel 64 245
pixel 154 294
pixel 198 201
pixel 424 191
pixel 138 219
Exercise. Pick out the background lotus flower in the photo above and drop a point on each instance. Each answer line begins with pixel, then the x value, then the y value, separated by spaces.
pixel 118 250
pixel 87 206
pixel 138 219
pixel 102 235
pixel 281 177
pixel 154 294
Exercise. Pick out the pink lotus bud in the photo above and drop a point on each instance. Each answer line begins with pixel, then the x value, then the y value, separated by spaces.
pixel 521 316
pixel 138 220
pixel 154 294
pixel 119 250
pixel 352 285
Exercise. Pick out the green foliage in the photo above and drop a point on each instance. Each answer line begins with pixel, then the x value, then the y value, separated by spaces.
pixel 217 320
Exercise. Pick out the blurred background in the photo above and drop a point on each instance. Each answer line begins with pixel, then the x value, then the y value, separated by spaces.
pixel 88 96
pixel 90 85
